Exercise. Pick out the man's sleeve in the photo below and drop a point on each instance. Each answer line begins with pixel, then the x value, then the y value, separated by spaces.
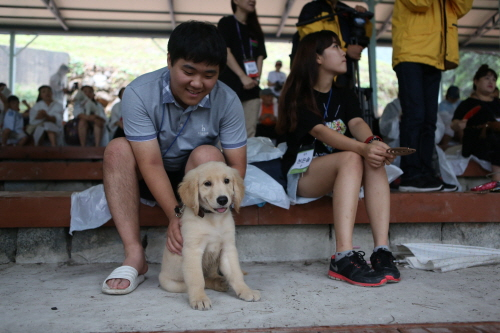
pixel 137 123
pixel 233 132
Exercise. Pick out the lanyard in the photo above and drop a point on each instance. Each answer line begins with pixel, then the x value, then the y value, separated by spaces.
pixel 328 105
pixel 241 41
pixel 178 134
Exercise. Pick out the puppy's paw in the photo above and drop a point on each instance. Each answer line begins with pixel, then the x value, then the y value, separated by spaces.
pixel 250 295
pixel 201 303
pixel 217 284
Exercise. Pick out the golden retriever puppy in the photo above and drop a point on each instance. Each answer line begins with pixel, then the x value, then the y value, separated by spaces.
pixel 208 232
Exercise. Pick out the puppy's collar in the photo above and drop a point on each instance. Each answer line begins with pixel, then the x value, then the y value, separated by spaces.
pixel 179 210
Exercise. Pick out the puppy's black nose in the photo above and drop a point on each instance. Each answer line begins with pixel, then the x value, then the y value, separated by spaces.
pixel 222 200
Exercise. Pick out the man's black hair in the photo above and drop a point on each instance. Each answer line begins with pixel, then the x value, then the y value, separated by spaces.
pixel 198 42
pixel 12 98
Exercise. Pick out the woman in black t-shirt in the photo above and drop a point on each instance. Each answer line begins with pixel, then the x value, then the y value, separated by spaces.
pixel 319 118
pixel 245 55
pixel 477 121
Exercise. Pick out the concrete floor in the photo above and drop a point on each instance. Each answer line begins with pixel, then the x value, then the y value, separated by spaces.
pixel 61 298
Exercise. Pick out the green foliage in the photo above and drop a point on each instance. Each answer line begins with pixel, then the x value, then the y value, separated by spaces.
pixel 463 75
pixel 76 66
pixel 28 92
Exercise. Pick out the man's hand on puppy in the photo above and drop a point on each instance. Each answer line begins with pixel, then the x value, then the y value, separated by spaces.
pixel 174 237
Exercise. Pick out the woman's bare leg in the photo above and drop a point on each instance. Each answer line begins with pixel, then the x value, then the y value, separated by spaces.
pixel 342 173
pixel 377 201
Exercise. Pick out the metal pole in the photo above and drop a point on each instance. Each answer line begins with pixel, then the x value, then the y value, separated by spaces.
pixel 12 62
pixel 372 57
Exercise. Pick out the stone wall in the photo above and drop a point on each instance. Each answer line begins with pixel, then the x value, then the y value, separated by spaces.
pixel 32 66
pixel 255 243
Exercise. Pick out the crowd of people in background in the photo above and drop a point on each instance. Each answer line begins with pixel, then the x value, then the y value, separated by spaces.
pixel 42 124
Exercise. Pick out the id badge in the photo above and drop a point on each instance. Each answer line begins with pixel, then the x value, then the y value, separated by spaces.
pixel 251 68
pixel 304 159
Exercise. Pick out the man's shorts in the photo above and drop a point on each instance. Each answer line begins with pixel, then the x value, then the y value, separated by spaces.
pixel 175 178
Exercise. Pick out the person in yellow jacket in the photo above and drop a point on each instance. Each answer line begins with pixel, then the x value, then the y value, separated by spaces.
pixel 425 42
pixel 336 16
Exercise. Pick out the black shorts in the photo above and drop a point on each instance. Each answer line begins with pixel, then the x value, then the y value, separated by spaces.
pixel 175 178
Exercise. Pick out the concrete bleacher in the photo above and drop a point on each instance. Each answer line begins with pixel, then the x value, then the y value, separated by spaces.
pixel 24 210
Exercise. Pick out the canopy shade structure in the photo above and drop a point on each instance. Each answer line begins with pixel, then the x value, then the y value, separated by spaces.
pixel 479 29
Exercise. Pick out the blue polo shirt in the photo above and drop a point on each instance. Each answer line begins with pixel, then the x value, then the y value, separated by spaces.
pixel 150 112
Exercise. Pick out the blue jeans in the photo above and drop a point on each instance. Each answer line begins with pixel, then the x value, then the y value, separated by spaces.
pixel 418 94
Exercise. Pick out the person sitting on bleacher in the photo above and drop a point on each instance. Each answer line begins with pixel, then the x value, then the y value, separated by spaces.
pixel 446 109
pixel 175 119
pixel 477 121
pixel 13 124
pixel 115 123
pixel 90 114
pixel 45 117
pixel 268 115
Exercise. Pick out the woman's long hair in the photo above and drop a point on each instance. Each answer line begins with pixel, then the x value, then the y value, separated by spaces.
pixel 298 91
pixel 254 28
pixel 39 98
pixel 482 72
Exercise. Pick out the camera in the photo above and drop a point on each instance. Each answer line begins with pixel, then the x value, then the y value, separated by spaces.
pixel 278 86
pixel 357 22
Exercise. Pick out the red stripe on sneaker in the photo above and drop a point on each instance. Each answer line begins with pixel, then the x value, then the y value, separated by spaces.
pixel 392 279
pixel 339 277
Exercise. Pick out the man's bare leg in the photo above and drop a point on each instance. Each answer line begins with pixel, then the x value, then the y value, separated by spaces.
pixel 122 193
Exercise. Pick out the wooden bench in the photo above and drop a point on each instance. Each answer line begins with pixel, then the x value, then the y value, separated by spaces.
pixel 52 209
pixel 82 163
pixel 50 163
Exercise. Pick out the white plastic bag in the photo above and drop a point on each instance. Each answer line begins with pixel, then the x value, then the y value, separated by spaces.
pixel 260 187
pixel 89 209
pixel 262 149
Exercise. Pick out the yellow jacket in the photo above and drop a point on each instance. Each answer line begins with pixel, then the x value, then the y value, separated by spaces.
pixel 426 31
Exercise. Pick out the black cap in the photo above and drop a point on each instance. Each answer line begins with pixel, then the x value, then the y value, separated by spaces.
pixel 453 92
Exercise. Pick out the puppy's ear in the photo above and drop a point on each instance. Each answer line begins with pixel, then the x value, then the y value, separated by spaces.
pixel 239 189
pixel 188 191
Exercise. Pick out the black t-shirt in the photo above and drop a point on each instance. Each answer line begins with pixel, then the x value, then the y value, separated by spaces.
pixel 488 111
pixel 343 107
pixel 239 44
pixel 483 144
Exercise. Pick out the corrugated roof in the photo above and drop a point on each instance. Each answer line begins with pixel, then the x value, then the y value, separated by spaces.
pixel 479 29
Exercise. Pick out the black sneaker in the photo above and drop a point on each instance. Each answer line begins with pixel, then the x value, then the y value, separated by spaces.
pixel 355 270
pixel 383 261
pixel 449 187
pixel 420 184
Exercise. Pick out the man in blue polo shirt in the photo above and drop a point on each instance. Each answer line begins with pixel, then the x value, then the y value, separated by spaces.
pixel 174 118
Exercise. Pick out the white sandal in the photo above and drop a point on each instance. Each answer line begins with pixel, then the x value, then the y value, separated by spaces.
pixel 123 272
